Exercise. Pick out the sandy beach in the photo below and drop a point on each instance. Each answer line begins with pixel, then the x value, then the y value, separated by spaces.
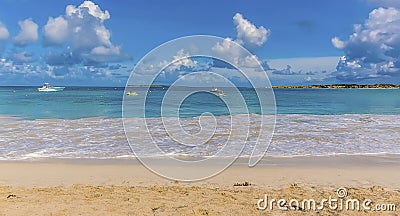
pixel 125 187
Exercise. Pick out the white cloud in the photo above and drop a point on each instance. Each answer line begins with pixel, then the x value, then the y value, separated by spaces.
pixel 232 52
pixel 227 47
pixel 105 54
pixel 83 32
pixel 353 64
pixel 3 32
pixel 373 50
pixel 389 67
pixel 250 61
pixel 102 50
pixel 92 9
pixel 181 60
pixel 56 30
pixel 355 70
pixel 247 33
pixel 377 39
pixel 28 33
pixel 339 44
pixel 249 36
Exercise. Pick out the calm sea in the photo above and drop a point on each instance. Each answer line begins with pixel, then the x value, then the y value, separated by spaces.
pixel 85 122
pixel 85 102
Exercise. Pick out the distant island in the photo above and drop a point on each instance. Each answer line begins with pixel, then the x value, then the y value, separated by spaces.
pixel 340 86
pixel 331 86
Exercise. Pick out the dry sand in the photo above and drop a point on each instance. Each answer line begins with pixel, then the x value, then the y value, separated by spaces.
pixel 125 187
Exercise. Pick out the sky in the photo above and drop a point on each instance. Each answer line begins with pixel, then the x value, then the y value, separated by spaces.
pixel 98 43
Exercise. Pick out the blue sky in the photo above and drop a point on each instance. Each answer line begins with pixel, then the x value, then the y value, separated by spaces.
pixel 298 42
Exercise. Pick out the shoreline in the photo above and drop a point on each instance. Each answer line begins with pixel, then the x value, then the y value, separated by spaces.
pixel 267 160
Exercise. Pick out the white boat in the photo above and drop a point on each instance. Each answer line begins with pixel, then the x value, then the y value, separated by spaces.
pixel 214 89
pixel 221 94
pixel 47 88
pixel 217 92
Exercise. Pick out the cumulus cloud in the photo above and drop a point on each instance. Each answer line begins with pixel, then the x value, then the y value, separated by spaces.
pixel 227 49
pixel 28 33
pixel 339 44
pixel 4 34
pixel 55 31
pixel 249 36
pixel 247 33
pixel 77 48
pixel 102 54
pixel 234 54
pixel 227 46
pixel 83 32
pixel 373 50
pixel 181 62
pixel 89 7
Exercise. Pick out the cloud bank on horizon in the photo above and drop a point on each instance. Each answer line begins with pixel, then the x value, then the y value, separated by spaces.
pixel 76 48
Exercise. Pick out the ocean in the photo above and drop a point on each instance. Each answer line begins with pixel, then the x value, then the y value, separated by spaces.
pixel 85 122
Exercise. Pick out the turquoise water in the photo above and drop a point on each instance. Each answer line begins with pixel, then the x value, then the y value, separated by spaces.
pixel 85 122
pixel 85 102
pixel 72 103
pixel 338 101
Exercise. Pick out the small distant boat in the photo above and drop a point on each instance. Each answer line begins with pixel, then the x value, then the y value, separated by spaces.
pixel 217 92
pixel 214 90
pixel 47 88
pixel 221 94
pixel 132 93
